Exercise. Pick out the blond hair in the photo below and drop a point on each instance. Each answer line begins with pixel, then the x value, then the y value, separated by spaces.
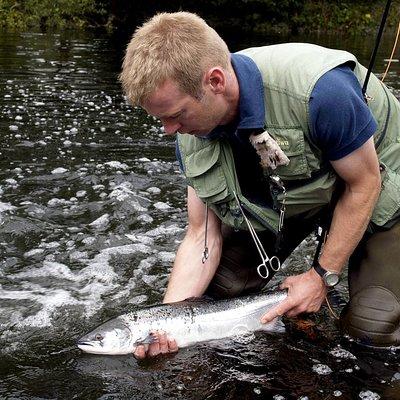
pixel 178 46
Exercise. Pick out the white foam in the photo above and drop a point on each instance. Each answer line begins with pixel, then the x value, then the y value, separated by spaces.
pixel 101 223
pixel 122 192
pixel 161 206
pixel 321 369
pixel 166 256
pixel 59 170
pixel 145 219
pixel 89 240
pixel 81 256
pixel 51 301
pixel 116 165
pixel 140 238
pixel 33 252
pixel 49 269
pixel 342 353
pixel 164 231
pixel 369 395
pixel 81 193
pixel 11 181
pixel 6 207
pixel 56 202
pixel 396 376
pixel 98 187
pixel 51 245
pixel 153 190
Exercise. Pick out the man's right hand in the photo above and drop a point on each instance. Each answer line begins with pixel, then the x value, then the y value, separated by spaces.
pixel 163 345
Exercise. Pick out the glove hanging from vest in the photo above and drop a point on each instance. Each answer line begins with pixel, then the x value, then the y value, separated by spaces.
pixel 268 149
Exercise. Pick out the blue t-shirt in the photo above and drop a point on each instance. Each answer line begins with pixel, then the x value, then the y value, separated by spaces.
pixel 340 120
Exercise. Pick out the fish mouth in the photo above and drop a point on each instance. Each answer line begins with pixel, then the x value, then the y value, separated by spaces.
pixel 87 347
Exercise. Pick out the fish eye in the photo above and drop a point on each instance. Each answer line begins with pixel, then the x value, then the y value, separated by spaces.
pixel 99 336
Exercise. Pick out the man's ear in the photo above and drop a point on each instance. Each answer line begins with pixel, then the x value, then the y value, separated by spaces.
pixel 215 79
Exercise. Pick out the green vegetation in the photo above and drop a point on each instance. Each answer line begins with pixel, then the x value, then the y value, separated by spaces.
pixel 257 16
pixel 44 14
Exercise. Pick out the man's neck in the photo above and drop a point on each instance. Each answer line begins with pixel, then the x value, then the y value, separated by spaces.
pixel 232 98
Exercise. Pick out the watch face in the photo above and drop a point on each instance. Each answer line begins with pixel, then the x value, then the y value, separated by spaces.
pixel 331 279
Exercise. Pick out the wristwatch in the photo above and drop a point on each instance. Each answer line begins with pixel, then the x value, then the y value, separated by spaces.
pixel 330 278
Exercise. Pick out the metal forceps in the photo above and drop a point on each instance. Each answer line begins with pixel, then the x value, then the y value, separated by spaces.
pixel 273 262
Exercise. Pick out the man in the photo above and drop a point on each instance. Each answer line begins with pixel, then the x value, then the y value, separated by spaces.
pixel 271 140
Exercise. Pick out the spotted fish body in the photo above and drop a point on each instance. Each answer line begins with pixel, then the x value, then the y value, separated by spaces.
pixel 188 322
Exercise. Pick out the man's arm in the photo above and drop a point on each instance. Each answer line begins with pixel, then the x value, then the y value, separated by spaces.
pixel 189 276
pixel 360 172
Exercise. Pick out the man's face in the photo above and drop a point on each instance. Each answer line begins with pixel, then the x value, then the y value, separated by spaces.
pixel 179 112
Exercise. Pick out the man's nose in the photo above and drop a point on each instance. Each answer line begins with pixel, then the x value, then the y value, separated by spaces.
pixel 170 128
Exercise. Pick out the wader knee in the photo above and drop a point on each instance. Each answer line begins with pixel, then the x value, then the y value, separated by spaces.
pixel 234 280
pixel 373 317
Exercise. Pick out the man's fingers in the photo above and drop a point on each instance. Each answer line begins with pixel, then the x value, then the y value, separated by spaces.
pixel 173 347
pixel 140 352
pixel 162 345
pixel 163 342
pixel 277 311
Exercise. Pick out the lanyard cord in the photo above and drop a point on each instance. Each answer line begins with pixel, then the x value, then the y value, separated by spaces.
pixel 205 252
pixel 378 40
pixel 391 55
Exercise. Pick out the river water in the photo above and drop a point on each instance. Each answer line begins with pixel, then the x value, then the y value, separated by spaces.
pixel 92 209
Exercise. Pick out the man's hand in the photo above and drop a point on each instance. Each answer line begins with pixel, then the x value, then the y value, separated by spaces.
pixel 163 345
pixel 306 293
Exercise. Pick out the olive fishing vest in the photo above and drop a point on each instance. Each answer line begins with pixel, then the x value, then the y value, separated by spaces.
pixel 289 72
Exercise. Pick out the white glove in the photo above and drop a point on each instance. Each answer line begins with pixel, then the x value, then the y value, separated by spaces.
pixel 268 149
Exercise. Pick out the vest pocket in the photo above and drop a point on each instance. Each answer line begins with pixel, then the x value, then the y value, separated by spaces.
pixel 205 174
pixel 389 199
pixel 292 143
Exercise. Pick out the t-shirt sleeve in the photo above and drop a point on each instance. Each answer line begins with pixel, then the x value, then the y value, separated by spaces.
pixel 341 121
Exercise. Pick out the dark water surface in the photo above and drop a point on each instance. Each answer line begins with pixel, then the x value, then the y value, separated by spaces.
pixel 92 209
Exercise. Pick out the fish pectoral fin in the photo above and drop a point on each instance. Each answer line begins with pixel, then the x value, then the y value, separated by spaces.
pixel 152 337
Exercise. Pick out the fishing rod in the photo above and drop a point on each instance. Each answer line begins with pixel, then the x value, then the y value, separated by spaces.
pixel 377 42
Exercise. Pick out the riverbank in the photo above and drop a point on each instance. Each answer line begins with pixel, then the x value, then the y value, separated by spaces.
pixel 239 16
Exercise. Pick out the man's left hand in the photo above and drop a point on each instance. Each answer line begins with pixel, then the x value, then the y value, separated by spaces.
pixel 306 293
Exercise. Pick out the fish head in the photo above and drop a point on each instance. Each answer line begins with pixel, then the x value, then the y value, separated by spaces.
pixel 111 338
